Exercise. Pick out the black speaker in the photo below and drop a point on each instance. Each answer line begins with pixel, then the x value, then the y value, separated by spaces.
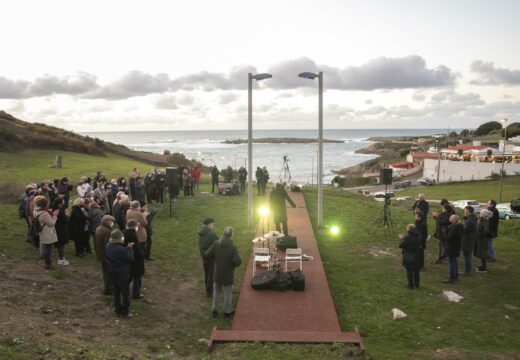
pixel 172 176
pixel 385 176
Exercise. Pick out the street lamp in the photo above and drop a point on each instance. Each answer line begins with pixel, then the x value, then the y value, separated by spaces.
pixel 250 77
pixel 312 76
pixel 504 122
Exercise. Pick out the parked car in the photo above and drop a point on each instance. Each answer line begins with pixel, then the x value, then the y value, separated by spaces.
pixel 402 184
pixel 426 181
pixel 382 194
pixel 505 212
pixel 461 204
pixel 515 205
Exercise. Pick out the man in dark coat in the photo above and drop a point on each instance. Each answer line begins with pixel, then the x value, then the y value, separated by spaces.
pixel 137 266
pixel 277 200
pixel 206 239
pixel 226 257
pixel 493 229
pixel 453 245
pixel 119 259
pixel 265 179
pixel 442 222
pixel 469 236
pixel 259 174
pixel 149 187
pixel 139 190
pixel 101 239
pixel 422 205
pixel 160 183
pixel 411 245
pixel 242 177
pixel 214 179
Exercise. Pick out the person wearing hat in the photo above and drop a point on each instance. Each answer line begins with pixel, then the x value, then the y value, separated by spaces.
pixel 119 259
pixel 206 238
pixel 101 239
pixel 137 267
pixel 134 213
pixel 47 219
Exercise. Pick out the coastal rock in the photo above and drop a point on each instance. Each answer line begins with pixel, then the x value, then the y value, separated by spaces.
pixel 283 140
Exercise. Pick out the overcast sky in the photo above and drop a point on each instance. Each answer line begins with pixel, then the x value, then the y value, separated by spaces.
pixel 182 65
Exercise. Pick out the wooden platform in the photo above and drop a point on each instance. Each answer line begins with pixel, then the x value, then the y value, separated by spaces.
pixel 289 316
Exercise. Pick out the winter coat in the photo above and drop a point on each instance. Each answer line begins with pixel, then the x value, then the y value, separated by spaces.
pixel 442 224
pixel 214 175
pixel 138 216
pixel 206 238
pixel 48 233
pixel 77 222
pixel 469 234
pixel 454 240
pixel 226 257
pixel 411 245
pixel 95 216
pixel 101 239
pixel 137 268
pixel 493 223
pixel 483 237
pixel 122 214
pixel 422 205
pixel 196 174
pixel 277 204
pixel 422 228
pixel 139 192
pixel 119 259
pixel 62 228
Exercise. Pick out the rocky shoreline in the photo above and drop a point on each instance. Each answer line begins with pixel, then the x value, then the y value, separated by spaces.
pixel 284 140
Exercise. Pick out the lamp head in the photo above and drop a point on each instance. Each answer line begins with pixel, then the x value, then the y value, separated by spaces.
pixel 261 76
pixel 308 75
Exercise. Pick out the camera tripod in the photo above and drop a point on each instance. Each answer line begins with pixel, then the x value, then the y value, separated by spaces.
pixel 285 174
pixel 384 219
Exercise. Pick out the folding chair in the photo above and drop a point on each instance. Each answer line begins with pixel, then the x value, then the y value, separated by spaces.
pixel 261 255
pixel 293 255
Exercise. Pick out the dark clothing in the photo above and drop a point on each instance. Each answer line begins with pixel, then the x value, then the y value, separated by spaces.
pixel 469 234
pixel 102 237
pixel 226 257
pixel 121 220
pixel 454 240
pixel 422 228
pixel 259 174
pixel 206 238
pixel 62 228
pixel 277 200
pixel 493 223
pixel 121 296
pixel 78 229
pixel 119 259
pixel 412 250
pixel 214 179
pixel 209 266
pixel 107 279
pixel 482 239
pixel 423 206
pixel 139 192
pixel 137 268
pixel 242 177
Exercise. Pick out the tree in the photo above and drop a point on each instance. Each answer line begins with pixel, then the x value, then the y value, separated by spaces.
pixel 488 127
pixel 465 133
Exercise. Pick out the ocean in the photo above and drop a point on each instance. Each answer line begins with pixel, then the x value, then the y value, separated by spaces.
pixel 207 147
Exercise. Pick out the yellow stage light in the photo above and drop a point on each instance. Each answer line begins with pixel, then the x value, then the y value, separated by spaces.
pixel 263 211
pixel 334 230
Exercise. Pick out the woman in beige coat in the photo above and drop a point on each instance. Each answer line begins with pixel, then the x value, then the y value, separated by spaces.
pixel 134 213
pixel 47 218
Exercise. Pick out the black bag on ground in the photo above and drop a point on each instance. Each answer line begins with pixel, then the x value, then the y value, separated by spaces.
pixel 287 242
pixel 298 281
pixel 283 281
pixel 263 280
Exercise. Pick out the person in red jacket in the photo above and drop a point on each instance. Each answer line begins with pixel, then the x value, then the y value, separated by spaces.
pixel 196 176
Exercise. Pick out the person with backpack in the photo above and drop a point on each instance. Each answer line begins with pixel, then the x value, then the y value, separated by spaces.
pixel 23 209
pixel 44 221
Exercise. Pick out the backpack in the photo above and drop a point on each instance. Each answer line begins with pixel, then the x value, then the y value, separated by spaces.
pixel 36 227
pixel 22 209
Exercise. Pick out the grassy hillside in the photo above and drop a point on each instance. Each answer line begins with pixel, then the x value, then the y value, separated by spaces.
pixel 63 315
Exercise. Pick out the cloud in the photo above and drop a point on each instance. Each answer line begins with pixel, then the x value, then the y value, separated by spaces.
pixel 12 89
pixel 72 85
pixel 488 74
pixel 380 73
pixel 185 99
pixel 135 83
pixel 209 81
pixel 374 110
pixel 167 102
pixel 451 96
pixel 418 96
pixel 227 98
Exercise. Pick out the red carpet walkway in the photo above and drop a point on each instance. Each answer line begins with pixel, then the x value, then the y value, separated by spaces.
pixel 289 316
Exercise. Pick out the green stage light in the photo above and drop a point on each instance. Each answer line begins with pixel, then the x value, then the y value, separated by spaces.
pixel 334 230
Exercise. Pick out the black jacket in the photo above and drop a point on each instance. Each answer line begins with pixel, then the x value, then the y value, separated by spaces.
pixel 411 245
pixel 493 222
pixel 137 268
pixel 422 205
pixel 62 227
pixel 78 220
pixel 454 240
pixel 422 228
pixel 469 234
pixel 119 258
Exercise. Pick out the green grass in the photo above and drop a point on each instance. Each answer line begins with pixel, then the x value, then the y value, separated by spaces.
pixel 175 314
pixel 470 190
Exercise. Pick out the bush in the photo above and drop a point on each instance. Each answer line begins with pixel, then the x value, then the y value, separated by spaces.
pixel 11 191
pixel 488 127
pixel 167 153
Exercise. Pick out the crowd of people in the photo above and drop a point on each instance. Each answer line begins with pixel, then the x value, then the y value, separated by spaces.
pixel 472 236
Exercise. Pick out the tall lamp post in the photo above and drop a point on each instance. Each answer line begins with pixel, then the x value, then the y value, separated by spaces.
pixel 503 121
pixel 250 78
pixel 312 76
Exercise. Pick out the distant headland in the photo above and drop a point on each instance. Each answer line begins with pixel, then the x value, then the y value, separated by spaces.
pixel 282 140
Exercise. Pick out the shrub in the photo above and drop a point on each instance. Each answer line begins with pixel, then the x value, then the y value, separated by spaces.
pixel 11 191
pixel 488 127
pixel 167 153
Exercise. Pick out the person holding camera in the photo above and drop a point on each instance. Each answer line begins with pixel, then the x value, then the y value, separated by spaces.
pixel 47 219
pixel 411 245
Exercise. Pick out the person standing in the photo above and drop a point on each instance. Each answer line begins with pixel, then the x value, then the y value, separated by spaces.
pixel 119 259
pixel 469 235
pixel 137 267
pixel 62 230
pixel 259 174
pixel 493 229
pixel 422 205
pixel 422 228
pixel 453 245
pixel 226 257
pixel 139 190
pixel 277 200
pixel 242 177
pixel 196 176
pixel 46 218
pixel 265 179
pixel 214 179
pixel 207 237
pixel 483 236
pixel 101 239
pixel 411 245
pixel 442 222
pixel 78 227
